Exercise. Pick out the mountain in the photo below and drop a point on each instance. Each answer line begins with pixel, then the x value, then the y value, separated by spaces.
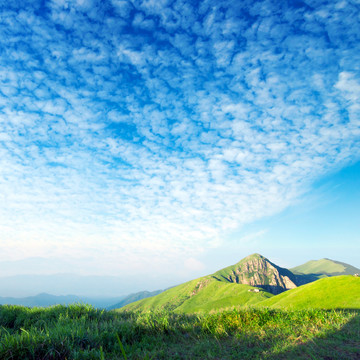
pixel 134 297
pixel 42 299
pixel 254 281
pixel 325 267
pixel 256 270
pixel 45 299
pixel 203 294
pixel 248 282
pixel 337 292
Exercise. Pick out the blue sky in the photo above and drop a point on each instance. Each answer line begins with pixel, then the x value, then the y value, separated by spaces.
pixel 139 135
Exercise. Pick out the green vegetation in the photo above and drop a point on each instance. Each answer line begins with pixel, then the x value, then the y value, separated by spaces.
pixel 82 332
pixel 203 294
pixel 339 292
pixel 325 267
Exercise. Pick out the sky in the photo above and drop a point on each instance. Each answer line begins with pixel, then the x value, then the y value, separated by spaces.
pixel 168 138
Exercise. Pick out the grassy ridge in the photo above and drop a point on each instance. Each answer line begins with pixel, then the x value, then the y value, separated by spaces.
pixel 319 267
pixel 325 267
pixel 328 293
pixel 81 332
pixel 203 294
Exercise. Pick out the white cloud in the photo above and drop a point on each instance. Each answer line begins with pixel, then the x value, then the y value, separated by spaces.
pixel 349 85
pixel 193 264
pixel 129 144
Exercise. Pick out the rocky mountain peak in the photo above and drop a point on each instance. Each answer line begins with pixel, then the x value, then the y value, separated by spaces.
pixel 256 270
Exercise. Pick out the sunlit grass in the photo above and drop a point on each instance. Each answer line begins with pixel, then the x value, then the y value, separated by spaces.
pixel 82 332
pixel 341 292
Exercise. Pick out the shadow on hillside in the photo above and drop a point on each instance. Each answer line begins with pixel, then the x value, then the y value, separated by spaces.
pixel 334 345
pixel 302 279
pixel 273 289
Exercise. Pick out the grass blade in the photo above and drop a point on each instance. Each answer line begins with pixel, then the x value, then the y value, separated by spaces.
pixel 121 347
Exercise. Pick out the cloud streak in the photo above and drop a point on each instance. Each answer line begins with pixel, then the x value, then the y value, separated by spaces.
pixel 136 129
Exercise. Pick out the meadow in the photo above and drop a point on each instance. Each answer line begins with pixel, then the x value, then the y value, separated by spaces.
pixel 83 332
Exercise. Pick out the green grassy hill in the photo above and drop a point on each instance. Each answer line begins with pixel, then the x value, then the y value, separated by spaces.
pixel 325 267
pixel 203 294
pixel 338 292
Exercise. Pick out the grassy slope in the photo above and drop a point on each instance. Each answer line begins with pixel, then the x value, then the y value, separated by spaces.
pixel 325 266
pixel 203 294
pixel 341 292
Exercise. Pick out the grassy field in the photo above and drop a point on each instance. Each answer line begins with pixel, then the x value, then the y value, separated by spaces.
pixel 82 332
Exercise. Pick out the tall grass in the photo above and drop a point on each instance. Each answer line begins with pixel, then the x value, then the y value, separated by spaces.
pixel 83 332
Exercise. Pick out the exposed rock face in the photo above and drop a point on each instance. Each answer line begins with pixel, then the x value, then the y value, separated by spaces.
pixel 200 285
pixel 256 270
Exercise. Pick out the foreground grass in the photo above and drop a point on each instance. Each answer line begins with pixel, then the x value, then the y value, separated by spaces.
pixel 82 332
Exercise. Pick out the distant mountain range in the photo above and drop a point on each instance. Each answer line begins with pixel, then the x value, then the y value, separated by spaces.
pixel 61 284
pixel 45 299
pixel 253 280
pixel 108 288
